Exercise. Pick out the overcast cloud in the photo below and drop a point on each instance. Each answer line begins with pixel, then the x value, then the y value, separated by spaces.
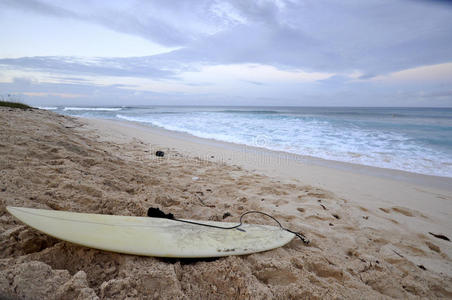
pixel 229 52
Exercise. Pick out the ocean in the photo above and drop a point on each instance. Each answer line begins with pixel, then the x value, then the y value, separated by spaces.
pixel 417 140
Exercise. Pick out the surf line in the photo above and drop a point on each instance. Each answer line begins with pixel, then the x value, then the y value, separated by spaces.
pixel 157 213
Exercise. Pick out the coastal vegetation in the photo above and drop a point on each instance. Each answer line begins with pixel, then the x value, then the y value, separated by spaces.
pixel 6 102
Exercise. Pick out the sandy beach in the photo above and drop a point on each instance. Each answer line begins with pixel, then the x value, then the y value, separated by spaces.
pixel 371 230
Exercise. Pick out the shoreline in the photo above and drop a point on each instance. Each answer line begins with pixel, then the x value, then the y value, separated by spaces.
pixel 428 180
pixel 245 155
pixel 384 139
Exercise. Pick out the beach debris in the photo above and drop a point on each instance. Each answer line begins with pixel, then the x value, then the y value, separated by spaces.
pixel 323 206
pixel 336 216
pixel 160 153
pixel 226 214
pixel 400 255
pixel 195 178
pixel 422 267
pixel 440 236
pixel 366 217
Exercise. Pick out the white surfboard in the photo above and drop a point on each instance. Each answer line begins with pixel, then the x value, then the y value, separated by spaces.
pixel 152 236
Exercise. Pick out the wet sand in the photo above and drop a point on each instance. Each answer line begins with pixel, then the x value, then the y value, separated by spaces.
pixel 369 227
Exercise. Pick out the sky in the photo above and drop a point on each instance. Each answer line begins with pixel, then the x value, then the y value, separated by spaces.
pixel 236 52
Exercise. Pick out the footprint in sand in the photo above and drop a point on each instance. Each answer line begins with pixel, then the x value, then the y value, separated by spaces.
pixel 276 276
pixel 317 217
pixel 433 247
pixel 408 212
pixel 403 211
pixel 363 208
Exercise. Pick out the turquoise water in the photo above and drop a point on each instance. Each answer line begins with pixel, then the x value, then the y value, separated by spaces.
pixel 410 139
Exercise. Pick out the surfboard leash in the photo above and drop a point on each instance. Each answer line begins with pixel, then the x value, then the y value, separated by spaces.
pixel 157 213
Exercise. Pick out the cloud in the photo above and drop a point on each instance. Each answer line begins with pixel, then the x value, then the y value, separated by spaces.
pixel 86 93
pixel 340 37
pixel 132 67
pixel 70 79
pixel 253 72
pixel 254 82
pixel 168 24
pixel 446 95
pixel 311 35
pixel 47 94
pixel 439 73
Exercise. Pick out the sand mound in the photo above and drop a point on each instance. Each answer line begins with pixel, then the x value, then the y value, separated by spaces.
pixel 55 162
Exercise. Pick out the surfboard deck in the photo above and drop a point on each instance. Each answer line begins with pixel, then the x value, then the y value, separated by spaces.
pixel 152 236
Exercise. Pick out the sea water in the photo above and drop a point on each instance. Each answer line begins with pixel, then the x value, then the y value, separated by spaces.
pixel 410 139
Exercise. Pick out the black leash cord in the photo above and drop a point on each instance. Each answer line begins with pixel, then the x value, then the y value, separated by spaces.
pixel 299 235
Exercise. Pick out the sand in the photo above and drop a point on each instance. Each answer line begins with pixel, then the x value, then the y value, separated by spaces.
pixel 369 228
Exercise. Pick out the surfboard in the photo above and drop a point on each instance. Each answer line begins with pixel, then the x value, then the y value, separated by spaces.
pixel 153 236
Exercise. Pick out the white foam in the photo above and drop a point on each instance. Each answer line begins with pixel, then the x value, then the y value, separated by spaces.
pixel 93 108
pixel 322 138
pixel 48 107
